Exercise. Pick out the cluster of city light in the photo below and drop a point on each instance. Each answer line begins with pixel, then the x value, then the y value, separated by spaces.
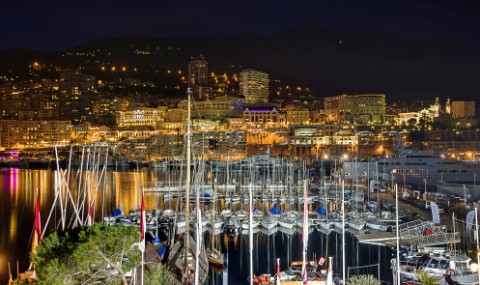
pixel 114 68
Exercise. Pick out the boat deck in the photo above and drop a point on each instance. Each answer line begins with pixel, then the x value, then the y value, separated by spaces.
pixel 377 238
pixel 389 239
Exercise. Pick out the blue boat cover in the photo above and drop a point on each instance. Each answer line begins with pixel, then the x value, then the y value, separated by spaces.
pixel 161 250
pixel 116 213
pixel 322 211
pixel 274 210
pixel 156 241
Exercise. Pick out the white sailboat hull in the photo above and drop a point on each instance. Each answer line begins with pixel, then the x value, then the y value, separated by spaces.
pixel 356 225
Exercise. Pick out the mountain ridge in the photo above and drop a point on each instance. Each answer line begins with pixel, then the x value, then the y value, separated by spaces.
pixel 332 61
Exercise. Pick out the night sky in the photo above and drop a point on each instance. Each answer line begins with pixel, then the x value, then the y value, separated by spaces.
pixel 55 25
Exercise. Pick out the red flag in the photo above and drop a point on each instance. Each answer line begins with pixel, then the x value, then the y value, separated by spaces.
pixel 38 223
pixel 278 271
pixel 142 226
pixel 330 272
pixel 321 261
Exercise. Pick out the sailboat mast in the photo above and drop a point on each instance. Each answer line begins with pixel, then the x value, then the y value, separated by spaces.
pixel 250 230
pixel 343 231
pixel 187 184
pixel 476 233
pixel 398 237
pixel 305 230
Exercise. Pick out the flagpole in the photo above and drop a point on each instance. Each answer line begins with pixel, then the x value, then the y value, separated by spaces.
pixel 476 233
pixel 142 236
pixel 343 231
pixel 305 231
pixel 278 272
pixel 398 238
pixel 329 272
pixel 250 230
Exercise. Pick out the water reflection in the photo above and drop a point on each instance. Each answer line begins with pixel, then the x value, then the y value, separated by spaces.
pixel 113 189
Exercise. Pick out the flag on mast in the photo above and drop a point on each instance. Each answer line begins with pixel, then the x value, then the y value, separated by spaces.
pixel 142 226
pixel 435 213
pixel 38 222
pixel 90 213
pixel 278 272
pixel 330 272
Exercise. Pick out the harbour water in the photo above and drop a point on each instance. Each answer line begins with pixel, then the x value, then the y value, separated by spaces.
pixel 122 189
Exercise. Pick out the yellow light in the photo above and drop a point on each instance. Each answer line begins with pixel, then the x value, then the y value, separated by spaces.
pixel 102 68
pixel 179 72
pixel 124 68
pixel 114 68
pixel 169 71
pixel 135 69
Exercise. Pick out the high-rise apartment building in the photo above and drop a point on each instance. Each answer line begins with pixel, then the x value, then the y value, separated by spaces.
pixel 462 109
pixel 77 91
pixel 197 74
pixel 254 86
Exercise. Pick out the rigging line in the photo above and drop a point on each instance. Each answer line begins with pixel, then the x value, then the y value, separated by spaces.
pixel 18 228
pixel 196 108
pixel 30 241
pixel 461 221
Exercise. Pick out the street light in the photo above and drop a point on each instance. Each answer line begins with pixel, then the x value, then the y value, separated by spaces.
pixel 425 192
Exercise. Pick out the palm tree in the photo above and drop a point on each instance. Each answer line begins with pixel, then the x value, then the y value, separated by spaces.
pixel 363 280
pixel 426 278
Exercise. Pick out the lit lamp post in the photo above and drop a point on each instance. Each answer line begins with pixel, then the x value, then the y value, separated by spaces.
pixel 425 191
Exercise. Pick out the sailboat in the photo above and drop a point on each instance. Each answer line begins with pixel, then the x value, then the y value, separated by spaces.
pixel 188 260
pixel 215 257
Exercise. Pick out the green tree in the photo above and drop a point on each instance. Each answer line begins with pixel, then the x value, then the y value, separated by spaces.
pixel 460 210
pixel 159 274
pixel 426 278
pixel 87 255
pixel 363 280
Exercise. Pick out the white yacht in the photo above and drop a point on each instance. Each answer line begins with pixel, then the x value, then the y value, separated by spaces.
pixel 417 168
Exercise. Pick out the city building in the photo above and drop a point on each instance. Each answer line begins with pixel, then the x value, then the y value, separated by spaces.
pixel 77 92
pixel 24 134
pixel 219 108
pixel 263 117
pixel 254 86
pixel 462 109
pixel 297 116
pixel 463 143
pixel 362 109
pixel 137 117
pixel 197 75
